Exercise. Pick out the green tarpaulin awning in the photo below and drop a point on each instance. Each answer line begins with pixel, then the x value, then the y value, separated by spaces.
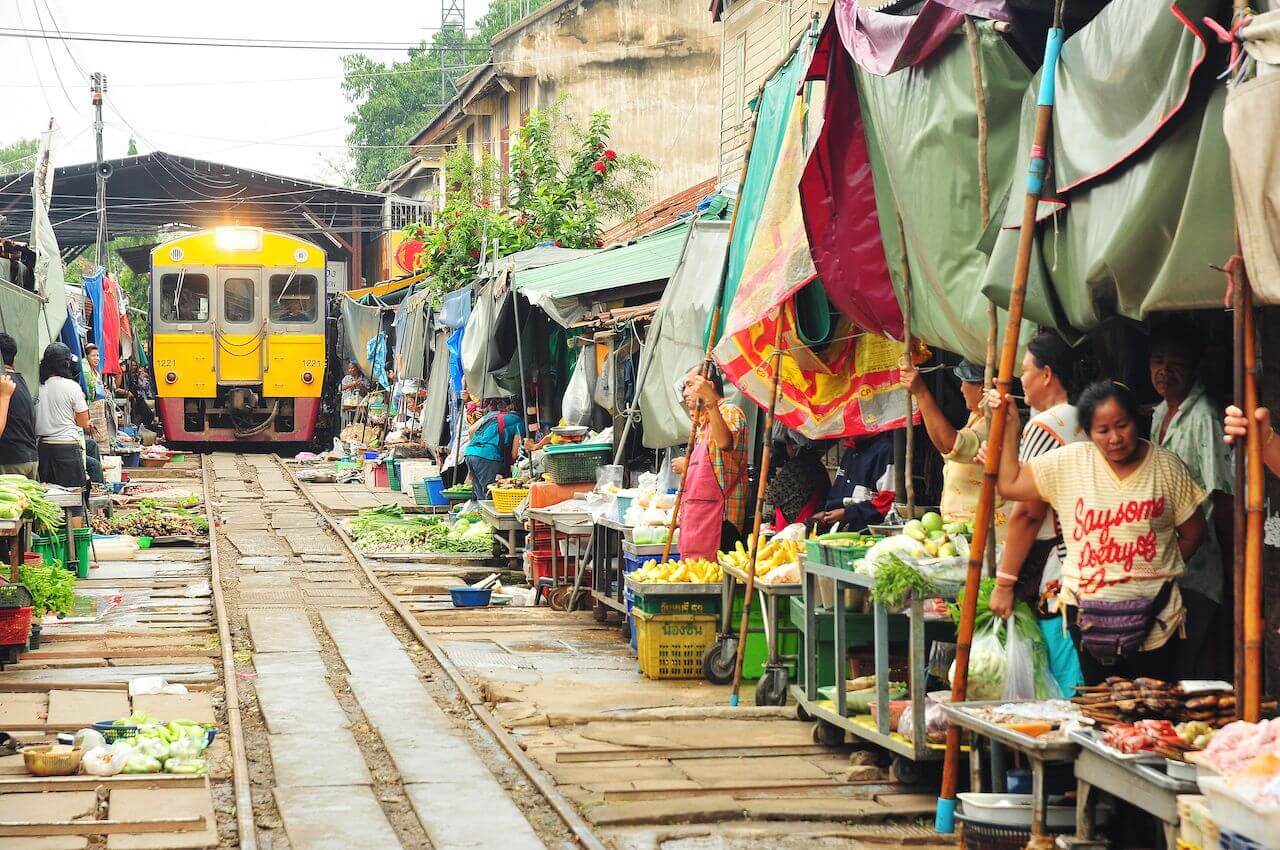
pixel 557 289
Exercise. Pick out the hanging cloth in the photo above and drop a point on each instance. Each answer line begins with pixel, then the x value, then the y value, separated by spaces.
pixel 109 322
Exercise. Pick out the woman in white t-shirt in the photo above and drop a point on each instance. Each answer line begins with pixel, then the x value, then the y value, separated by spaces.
pixel 1130 518
pixel 62 419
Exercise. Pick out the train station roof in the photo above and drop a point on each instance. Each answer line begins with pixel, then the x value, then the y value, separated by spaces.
pixel 159 191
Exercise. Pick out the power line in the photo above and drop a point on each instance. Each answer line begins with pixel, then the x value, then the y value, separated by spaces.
pixel 237 42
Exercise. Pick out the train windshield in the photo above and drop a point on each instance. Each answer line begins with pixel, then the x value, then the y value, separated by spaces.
pixel 237 299
pixel 294 297
pixel 184 297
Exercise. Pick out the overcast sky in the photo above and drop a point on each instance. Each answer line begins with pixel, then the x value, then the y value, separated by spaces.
pixel 275 110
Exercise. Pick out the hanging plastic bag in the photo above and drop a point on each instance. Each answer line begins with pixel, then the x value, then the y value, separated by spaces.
pixel 1019 665
pixel 986 663
pixel 577 396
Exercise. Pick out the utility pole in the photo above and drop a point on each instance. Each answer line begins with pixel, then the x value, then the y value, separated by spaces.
pixel 99 88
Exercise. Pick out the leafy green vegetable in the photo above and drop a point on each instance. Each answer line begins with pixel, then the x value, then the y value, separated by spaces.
pixel 896 580
pixel 52 588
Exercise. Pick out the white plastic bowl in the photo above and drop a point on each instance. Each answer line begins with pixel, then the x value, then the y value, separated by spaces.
pixel 1013 810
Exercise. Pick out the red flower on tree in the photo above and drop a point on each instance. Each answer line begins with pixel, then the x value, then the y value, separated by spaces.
pixel 611 155
pixel 484 204
pixel 599 166
pixel 475 254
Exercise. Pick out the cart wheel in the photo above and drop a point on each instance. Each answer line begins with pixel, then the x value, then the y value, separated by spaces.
pixel 904 771
pixel 827 734
pixel 719 661
pixel 579 601
pixel 772 687
pixel 558 598
pixel 802 715
pixel 600 612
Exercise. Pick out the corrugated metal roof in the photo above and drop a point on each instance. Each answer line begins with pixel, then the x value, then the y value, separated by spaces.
pixel 652 258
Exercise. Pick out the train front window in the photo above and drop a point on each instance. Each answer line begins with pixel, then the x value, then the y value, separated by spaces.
pixel 184 297
pixel 237 299
pixel 294 297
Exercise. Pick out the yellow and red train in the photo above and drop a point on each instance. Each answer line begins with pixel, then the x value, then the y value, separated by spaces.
pixel 238 336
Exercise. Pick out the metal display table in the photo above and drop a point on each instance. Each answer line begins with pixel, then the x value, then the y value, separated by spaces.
pixel 832 716
pixel 719 662
pixel 569 525
pixel 1038 751
pixel 508 530
pixel 608 584
pixel 1139 783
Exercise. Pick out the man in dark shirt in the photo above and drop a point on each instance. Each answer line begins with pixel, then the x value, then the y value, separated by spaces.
pixel 18 439
pixel 854 500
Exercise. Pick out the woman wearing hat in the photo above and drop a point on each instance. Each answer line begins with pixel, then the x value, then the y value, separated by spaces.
pixel 961 473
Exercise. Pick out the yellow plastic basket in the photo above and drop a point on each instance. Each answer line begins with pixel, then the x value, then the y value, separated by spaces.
pixel 506 501
pixel 671 646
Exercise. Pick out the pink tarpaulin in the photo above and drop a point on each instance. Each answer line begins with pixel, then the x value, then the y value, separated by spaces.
pixel 838 200
pixel 882 43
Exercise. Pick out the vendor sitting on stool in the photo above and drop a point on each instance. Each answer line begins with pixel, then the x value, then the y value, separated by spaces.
pixel 855 499
pixel 713 510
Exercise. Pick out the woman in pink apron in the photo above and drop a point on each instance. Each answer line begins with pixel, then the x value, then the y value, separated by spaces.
pixel 713 510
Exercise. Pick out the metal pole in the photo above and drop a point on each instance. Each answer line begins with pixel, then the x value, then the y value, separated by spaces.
pixel 766 454
pixel 98 90
pixel 944 820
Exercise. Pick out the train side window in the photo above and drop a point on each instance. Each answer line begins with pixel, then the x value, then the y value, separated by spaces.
pixel 237 299
pixel 184 297
pixel 294 298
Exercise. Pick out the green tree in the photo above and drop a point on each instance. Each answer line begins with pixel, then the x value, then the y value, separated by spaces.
pixel 560 192
pixel 19 155
pixel 392 103
pixel 133 147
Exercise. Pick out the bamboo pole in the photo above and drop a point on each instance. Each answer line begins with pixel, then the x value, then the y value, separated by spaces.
pixel 1252 702
pixel 907 344
pixel 984 215
pixel 766 455
pixel 1239 520
pixel 945 818
pixel 703 370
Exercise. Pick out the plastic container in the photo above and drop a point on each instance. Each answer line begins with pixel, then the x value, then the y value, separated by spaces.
pixel 132 460
pixel 575 463
pixel 506 500
pixel 178 457
pixel 470 597
pixel 370 455
pixel 1196 826
pixel 1235 814
pixel 33 559
pixel 83 538
pixel 112 468
pixel 143 542
pixel 978 835
pixel 1013 810
pixel 435 492
pixel 15 625
pixel 671 646
pixel 393 474
pixel 112 733
pixel 49 548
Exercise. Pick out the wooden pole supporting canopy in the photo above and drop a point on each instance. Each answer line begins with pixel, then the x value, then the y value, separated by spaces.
pixel 1251 702
pixel 945 817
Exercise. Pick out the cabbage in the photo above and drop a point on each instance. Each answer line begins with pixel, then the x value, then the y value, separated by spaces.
pixel 88 739
pixel 155 748
pixel 899 545
pixel 139 763
pixel 476 530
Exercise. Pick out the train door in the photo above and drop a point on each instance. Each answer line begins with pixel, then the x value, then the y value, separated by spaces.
pixel 241 325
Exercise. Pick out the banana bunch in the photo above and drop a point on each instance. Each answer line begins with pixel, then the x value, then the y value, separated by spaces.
pixel 772 554
pixel 694 570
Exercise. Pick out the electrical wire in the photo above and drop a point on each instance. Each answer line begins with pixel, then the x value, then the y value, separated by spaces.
pixel 230 41
pixel 49 49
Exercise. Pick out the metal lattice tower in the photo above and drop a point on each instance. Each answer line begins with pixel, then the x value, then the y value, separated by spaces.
pixel 453 32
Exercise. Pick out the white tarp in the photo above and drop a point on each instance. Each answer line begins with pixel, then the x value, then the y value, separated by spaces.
pixel 50 284
pixel 677 337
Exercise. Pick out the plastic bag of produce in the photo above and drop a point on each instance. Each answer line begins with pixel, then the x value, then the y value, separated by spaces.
pixel 106 761
pixel 1019 666
pixel 88 739
pixel 986 663
pixel 139 763
pixel 935 724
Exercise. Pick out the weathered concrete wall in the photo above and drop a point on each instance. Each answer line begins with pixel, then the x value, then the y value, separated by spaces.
pixel 653 65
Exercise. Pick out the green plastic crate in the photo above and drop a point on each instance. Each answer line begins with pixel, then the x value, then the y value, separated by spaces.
pixel 575 464
pixel 841 558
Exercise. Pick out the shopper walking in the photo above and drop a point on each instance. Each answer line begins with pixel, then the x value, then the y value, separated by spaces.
pixel 62 421
pixel 1130 516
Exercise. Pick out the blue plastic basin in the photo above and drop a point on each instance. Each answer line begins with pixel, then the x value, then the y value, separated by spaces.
pixel 470 597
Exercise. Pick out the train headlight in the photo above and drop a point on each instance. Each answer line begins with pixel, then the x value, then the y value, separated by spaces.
pixel 236 238
pixel 307 377
pixel 171 377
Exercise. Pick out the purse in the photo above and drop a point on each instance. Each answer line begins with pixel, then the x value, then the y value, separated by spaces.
pixel 1114 630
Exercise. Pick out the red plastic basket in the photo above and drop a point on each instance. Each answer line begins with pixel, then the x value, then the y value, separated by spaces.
pixel 15 625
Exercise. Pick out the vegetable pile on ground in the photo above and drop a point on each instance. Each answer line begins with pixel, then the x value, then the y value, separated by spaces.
pixel 175 747
pixel 388 529
pixel 150 518
pixel 21 497
pixel 52 588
